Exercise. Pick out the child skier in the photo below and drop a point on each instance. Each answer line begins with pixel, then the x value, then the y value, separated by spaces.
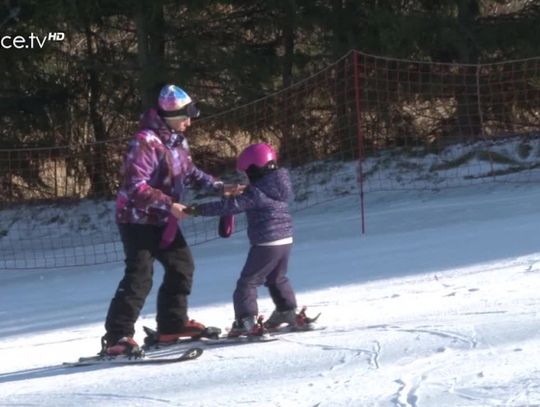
pixel 265 201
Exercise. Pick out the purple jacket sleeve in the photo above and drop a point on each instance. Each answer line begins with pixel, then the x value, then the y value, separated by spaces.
pixel 203 180
pixel 249 199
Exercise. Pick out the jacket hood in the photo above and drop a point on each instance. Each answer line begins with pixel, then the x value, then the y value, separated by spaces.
pixel 276 185
pixel 151 120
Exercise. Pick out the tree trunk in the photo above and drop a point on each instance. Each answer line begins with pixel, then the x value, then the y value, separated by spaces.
pixel 469 121
pixel 151 50
pixel 288 37
pixel 289 33
pixel 96 162
pixel 345 123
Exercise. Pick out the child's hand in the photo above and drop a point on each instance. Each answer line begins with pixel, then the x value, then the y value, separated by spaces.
pixel 233 189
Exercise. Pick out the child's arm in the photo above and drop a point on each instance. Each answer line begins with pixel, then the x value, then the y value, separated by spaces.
pixel 230 205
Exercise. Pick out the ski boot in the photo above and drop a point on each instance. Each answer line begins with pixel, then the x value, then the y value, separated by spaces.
pixel 290 321
pixel 125 346
pixel 248 326
pixel 192 331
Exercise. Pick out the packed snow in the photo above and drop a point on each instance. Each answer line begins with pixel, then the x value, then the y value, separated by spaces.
pixel 436 305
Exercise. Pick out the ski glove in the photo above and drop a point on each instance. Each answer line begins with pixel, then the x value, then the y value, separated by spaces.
pixel 226 226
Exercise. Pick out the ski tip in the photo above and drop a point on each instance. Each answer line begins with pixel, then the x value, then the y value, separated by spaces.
pixel 149 331
pixel 314 319
pixel 193 353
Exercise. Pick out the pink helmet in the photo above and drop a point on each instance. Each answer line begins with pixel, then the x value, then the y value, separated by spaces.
pixel 256 154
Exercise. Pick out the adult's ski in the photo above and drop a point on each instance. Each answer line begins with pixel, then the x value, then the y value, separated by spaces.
pixel 143 359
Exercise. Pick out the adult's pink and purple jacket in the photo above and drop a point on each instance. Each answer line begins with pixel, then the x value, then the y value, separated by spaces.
pixel 156 171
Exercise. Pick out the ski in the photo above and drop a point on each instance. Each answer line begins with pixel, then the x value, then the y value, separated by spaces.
pixel 160 349
pixel 143 359
pixel 225 340
pixel 291 330
pixel 212 336
pixel 152 336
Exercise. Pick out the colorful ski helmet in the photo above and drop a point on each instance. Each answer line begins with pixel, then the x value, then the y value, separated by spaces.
pixel 174 103
pixel 258 155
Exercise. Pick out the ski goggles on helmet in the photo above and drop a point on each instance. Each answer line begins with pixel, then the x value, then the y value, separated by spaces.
pixel 188 111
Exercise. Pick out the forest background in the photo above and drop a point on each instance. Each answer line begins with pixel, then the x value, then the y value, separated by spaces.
pixel 89 88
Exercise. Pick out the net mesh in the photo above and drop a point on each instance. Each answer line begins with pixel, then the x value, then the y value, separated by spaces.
pixel 363 124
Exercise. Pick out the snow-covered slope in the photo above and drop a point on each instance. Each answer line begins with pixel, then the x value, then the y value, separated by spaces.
pixel 437 305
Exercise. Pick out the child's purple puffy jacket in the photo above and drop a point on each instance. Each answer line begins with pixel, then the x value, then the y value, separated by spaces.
pixel 156 170
pixel 266 205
